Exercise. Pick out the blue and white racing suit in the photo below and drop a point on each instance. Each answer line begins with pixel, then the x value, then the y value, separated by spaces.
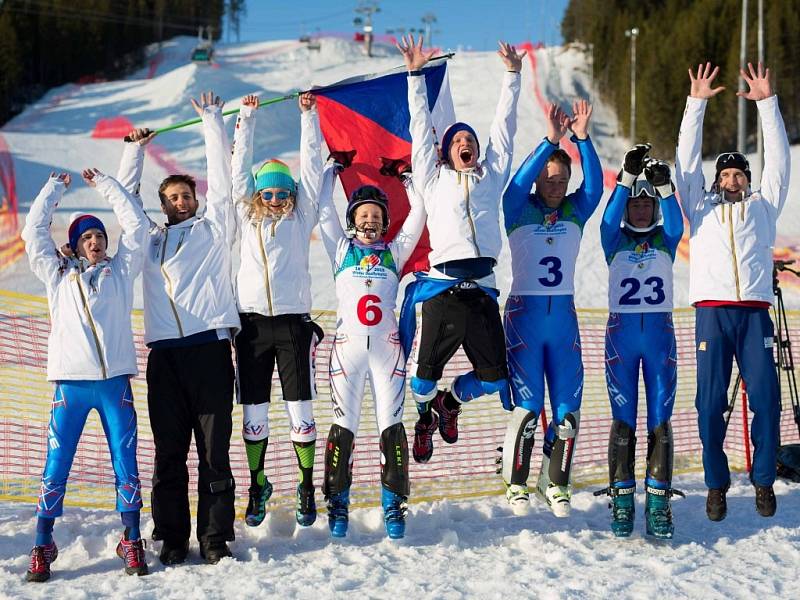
pixel 640 328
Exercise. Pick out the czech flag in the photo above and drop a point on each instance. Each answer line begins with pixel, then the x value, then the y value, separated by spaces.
pixel 369 114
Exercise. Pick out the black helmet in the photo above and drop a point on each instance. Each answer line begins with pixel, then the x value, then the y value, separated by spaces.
pixel 367 194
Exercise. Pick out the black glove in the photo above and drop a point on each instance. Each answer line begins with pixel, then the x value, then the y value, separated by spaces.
pixel 343 157
pixel 633 164
pixel 395 167
pixel 658 174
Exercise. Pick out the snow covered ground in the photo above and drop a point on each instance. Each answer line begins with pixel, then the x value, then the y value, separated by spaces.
pixel 467 549
pixel 453 549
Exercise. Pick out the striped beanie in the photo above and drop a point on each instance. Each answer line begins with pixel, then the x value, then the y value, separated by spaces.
pixel 275 174
pixel 80 225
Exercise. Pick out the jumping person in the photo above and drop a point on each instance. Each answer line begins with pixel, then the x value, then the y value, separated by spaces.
pixel 91 356
pixel 367 272
pixel 640 253
pixel 732 232
pixel 542 339
pixel 275 217
pixel 462 200
pixel 190 318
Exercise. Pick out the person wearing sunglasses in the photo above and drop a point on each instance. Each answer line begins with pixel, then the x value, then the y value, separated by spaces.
pixel 545 227
pixel 640 252
pixel 367 271
pixel 732 234
pixel 275 217
pixel 90 354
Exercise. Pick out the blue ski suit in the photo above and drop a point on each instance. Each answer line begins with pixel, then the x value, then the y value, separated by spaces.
pixel 541 325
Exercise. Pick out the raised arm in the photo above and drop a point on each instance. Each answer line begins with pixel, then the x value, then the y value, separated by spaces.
pixel 242 158
pixel 591 189
pixel 310 157
pixel 330 226
pixel 424 158
pixel 610 226
pixel 689 161
pixel 132 220
pixel 41 249
pixel 129 174
pixel 406 239
pixel 219 211
pixel 500 148
pixel 777 161
pixel 658 174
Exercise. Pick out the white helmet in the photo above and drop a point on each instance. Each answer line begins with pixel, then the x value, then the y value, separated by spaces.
pixel 643 188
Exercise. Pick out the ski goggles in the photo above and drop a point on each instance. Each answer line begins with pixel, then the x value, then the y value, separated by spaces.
pixel 642 187
pixel 267 195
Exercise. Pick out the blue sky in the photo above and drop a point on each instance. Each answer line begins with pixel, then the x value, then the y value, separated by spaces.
pixel 466 23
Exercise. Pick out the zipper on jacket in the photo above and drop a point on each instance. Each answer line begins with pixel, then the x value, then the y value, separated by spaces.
pixel 89 317
pixel 170 291
pixel 733 250
pixel 267 286
pixel 469 215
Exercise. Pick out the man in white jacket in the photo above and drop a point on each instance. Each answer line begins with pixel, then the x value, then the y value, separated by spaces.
pixel 732 234
pixel 190 319
pixel 90 354
pixel 462 200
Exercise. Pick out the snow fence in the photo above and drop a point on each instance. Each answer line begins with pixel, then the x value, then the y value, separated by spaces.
pixel 465 469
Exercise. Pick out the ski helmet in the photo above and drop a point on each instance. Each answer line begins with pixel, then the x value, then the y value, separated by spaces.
pixel 367 194
pixel 643 189
pixel 732 160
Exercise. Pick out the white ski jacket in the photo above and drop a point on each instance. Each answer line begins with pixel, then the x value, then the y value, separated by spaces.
pixel 273 277
pixel 187 268
pixel 90 305
pixel 463 207
pixel 731 243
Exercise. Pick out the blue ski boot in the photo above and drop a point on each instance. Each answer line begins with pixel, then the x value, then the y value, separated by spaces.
pixel 306 511
pixel 394 513
pixel 338 513
pixel 657 512
pixel 257 503
pixel 623 510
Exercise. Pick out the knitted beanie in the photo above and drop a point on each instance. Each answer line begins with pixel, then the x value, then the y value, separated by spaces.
pixel 80 225
pixel 275 174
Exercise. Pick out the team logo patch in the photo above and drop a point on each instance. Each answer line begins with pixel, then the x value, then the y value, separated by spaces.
pixel 550 220
pixel 701 347
pixel 768 342
pixel 369 261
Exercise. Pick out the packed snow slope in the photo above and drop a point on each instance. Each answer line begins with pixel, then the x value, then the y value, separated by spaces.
pixel 59 132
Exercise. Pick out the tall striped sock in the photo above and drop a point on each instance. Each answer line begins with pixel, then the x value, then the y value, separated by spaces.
pixel 305 461
pixel 255 460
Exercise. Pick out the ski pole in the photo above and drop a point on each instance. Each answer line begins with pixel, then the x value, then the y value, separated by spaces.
pixel 182 124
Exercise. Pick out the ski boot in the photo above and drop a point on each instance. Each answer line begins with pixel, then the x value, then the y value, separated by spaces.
pixel 657 513
pixel 519 499
pixel 41 559
pixel 394 513
pixel 448 418
pixel 306 511
pixel 256 505
pixel 423 439
pixel 558 498
pixel 623 510
pixel 338 513
pixel 132 554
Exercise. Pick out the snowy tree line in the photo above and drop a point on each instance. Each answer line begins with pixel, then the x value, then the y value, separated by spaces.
pixel 673 35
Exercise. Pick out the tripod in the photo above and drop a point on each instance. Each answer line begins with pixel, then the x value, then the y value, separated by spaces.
pixel 784 361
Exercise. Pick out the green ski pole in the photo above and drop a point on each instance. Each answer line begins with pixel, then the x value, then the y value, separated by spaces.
pixel 182 124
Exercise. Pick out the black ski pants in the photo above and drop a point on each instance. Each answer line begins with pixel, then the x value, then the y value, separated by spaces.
pixel 190 390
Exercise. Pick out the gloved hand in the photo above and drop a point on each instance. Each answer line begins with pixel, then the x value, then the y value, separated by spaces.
pixel 395 167
pixel 633 164
pixel 505 398
pixel 343 157
pixel 657 173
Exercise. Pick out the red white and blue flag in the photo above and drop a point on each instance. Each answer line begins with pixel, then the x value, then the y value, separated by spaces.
pixel 369 114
